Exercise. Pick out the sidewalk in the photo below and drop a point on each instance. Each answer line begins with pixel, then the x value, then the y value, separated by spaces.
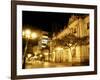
pixel 41 64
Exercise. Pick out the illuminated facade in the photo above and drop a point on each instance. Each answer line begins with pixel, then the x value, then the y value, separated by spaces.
pixel 79 27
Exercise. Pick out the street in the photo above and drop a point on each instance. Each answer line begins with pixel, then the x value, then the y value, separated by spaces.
pixel 42 64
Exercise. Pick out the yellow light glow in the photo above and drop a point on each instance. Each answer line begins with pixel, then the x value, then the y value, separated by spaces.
pixel 45 53
pixel 29 55
pixel 23 33
pixel 70 44
pixel 34 35
pixel 44 36
pixel 28 33
pixel 43 46
pixel 53 52
pixel 40 55
pixel 59 48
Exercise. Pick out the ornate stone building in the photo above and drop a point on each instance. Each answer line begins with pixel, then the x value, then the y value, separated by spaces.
pixel 79 27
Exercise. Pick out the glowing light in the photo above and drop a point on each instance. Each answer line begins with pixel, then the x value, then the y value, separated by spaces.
pixel 53 52
pixel 27 33
pixel 44 36
pixel 70 44
pixel 59 48
pixel 23 33
pixel 40 55
pixel 45 53
pixel 29 55
pixel 43 46
pixel 34 35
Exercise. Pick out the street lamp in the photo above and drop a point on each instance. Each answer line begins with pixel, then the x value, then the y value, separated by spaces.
pixel 34 35
pixel 27 33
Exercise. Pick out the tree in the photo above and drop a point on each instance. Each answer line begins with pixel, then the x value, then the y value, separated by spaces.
pixel 83 41
pixel 70 40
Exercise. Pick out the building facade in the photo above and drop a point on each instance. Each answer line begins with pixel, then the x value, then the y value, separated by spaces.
pixel 79 27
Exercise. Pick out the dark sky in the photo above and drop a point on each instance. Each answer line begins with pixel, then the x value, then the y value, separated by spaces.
pixel 46 21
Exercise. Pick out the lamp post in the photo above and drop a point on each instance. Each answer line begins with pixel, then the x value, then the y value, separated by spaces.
pixel 28 35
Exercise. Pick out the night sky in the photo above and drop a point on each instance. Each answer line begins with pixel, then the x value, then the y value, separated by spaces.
pixel 46 21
